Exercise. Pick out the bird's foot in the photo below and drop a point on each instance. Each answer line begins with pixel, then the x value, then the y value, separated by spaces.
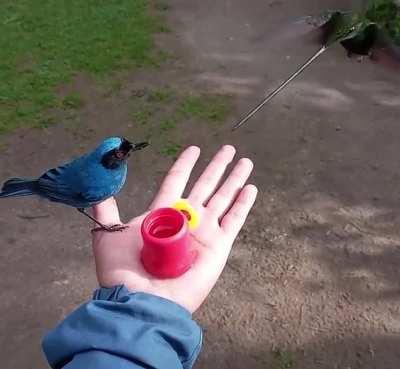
pixel 111 229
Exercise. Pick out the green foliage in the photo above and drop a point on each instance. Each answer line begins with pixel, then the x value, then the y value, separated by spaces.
pixel 44 43
pixel 381 11
pixel 387 15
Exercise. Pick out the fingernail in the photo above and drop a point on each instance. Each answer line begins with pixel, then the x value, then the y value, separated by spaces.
pixel 246 161
pixel 193 148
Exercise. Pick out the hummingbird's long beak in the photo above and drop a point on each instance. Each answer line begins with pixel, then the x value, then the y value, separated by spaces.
pixel 271 95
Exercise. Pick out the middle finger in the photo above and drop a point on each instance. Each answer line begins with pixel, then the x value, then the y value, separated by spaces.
pixel 208 181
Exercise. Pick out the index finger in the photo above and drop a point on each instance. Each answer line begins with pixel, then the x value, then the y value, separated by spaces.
pixel 175 182
pixel 107 212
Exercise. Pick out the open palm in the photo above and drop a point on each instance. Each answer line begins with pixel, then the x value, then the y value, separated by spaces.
pixel 222 208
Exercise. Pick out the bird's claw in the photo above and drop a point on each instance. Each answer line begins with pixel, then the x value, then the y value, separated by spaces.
pixel 111 229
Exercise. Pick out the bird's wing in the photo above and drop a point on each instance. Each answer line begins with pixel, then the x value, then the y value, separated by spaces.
pixel 320 29
pixel 94 195
pixel 54 186
pixel 106 185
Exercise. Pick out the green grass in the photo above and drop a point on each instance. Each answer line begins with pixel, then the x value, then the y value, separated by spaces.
pixel 212 108
pixel 165 112
pixel 143 115
pixel 44 43
pixel 168 124
pixel 162 5
pixel 73 101
pixel 161 95
pixel 171 149
pixel 283 359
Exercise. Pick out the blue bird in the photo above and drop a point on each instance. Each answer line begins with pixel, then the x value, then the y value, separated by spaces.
pixel 83 182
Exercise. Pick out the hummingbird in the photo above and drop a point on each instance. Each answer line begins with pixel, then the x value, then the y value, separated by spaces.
pixel 372 32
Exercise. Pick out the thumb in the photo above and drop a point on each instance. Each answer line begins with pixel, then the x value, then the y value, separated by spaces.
pixel 107 212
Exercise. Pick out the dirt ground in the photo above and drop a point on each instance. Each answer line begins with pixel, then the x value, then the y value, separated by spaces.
pixel 314 275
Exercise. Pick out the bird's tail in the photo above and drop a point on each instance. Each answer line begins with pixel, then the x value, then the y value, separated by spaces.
pixel 18 187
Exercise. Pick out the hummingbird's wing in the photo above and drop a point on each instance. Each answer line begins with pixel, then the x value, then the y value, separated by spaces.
pixel 307 30
pixel 322 29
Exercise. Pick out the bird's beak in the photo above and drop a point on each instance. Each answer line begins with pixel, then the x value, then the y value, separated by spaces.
pixel 139 146
pixel 127 147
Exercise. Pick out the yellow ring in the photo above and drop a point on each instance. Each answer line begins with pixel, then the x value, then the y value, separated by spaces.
pixel 190 213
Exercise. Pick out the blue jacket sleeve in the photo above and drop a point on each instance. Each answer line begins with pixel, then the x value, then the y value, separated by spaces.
pixel 123 330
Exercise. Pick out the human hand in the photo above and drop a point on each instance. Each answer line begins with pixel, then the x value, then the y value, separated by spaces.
pixel 222 209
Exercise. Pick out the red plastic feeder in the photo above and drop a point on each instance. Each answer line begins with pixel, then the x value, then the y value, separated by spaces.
pixel 166 252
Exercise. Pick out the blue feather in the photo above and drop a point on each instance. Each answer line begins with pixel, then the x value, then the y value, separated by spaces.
pixel 18 187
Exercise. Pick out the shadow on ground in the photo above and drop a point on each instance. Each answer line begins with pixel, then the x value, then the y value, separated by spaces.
pixel 370 352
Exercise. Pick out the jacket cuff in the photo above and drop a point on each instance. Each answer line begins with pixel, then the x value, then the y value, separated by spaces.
pixel 143 328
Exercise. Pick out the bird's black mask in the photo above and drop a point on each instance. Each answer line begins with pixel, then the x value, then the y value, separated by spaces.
pixel 115 157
